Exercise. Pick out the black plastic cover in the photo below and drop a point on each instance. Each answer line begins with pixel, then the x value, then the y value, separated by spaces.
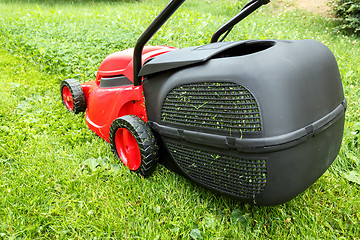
pixel 295 83
pixel 187 56
pixel 116 81
pixel 290 90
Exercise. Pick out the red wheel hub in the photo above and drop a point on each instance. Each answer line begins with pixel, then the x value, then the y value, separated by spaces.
pixel 127 148
pixel 68 98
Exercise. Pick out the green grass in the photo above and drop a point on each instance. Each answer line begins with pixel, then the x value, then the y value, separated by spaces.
pixel 49 185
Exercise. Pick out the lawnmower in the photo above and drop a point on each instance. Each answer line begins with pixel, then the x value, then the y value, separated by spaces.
pixel 255 120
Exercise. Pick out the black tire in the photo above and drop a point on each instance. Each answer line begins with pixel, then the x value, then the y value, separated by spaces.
pixel 75 103
pixel 146 142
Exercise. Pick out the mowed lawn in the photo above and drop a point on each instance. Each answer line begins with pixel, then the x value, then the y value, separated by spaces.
pixel 60 181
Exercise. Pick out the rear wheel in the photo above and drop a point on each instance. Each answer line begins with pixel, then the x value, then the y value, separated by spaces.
pixel 133 142
pixel 73 96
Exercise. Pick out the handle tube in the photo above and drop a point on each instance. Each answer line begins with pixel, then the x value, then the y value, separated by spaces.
pixel 149 33
pixel 246 11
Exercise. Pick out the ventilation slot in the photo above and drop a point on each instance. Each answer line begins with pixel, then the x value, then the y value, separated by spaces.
pixel 212 105
pixel 243 178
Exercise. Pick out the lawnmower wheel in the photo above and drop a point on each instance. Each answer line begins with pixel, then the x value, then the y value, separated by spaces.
pixel 133 142
pixel 73 96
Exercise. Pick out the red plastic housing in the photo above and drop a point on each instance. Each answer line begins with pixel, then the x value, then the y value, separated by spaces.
pixel 104 105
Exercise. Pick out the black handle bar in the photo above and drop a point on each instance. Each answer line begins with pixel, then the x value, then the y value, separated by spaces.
pixel 249 8
pixel 166 13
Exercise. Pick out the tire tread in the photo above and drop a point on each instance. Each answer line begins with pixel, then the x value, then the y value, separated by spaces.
pixel 77 94
pixel 144 138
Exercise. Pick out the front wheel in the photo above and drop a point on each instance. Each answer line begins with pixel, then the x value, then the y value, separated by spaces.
pixel 73 96
pixel 133 142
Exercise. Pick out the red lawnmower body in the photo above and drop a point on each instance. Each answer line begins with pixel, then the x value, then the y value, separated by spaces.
pixel 106 104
